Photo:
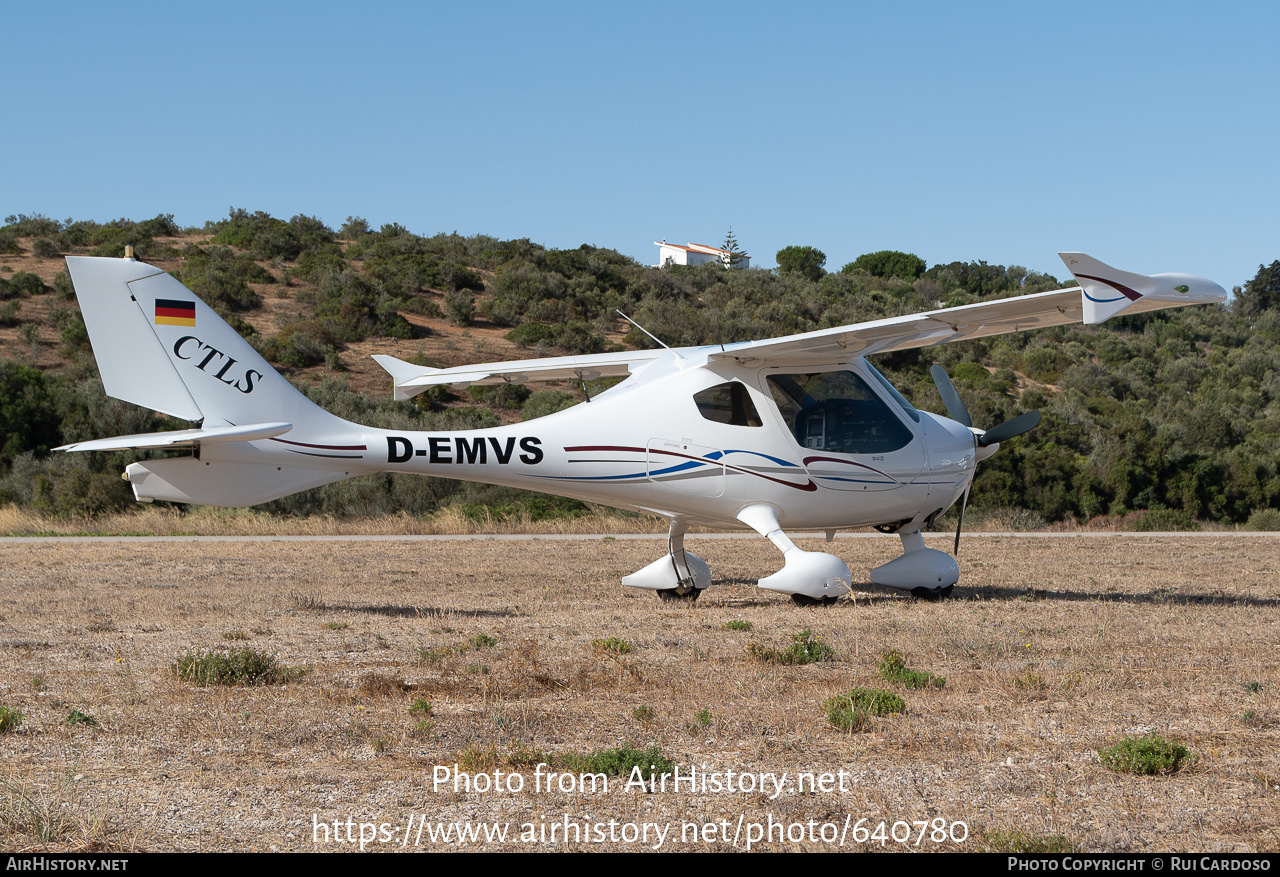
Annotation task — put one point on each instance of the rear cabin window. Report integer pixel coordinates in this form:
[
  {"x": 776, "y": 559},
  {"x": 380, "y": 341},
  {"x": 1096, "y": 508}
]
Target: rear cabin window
[
  {"x": 728, "y": 403},
  {"x": 837, "y": 411}
]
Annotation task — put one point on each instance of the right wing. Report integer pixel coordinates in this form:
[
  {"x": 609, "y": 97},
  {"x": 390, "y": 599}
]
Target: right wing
[{"x": 1103, "y": 293}]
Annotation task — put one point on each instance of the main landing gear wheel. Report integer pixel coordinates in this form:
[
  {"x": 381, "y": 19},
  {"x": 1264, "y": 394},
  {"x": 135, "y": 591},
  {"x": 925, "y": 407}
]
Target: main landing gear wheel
[
  {"x": 673, "y": 595},
  {"x": 932, "y": 594},
  {"x": 806, "y": 600}
]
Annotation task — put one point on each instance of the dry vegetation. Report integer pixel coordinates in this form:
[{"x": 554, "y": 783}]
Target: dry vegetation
[{"x": 427, "y": 653}]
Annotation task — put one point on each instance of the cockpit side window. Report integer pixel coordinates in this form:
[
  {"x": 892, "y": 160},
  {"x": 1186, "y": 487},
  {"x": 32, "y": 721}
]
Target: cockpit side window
[
  {"x": 837, "y": 411},
  {"x": 728, "y": 403}
]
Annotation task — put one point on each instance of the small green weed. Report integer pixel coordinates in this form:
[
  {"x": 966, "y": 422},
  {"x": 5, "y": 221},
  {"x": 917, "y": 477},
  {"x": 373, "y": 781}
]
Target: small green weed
[
  {"x": 236, "y": 635},
  {"x": 1017, "y": 841},
  {"x": 522, "y": 756},
  {"x": 642, "y": 713},
  {"x": 420, "y": 707},
  {"x": 1253, "y": 687},
  {"x": 10, "y": 719},
  {"x": 245, "y": 667},
  {"x": 893, "y": 668},
  {"x": 338, "y": 625},
  {"x": 476, "y": 757},
  {"x": 702, "y": 717},
  {"x": 434, "y": 654},
  {"x": 37, "y": 682},
  {"x": 853, "y": 710},
  {"x": 422, "y": 730},
  {"x": 805, "y": 648},
  {"x": 1029, "y": 680},
  {"x": 738, "y": 624},
  {"x": 612, "y": 645},
  {"x": 75, "y": 717},
  {"x": 483, "y": 641},
  {"x": 1147, "y": 755}
]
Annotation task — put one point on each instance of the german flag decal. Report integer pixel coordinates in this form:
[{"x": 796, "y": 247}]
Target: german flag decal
[{"x": 175, "y": 313}]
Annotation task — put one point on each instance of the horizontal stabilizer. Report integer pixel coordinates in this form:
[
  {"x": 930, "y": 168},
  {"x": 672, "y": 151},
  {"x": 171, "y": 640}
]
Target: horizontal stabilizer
[{"x": 182, "y": 438}]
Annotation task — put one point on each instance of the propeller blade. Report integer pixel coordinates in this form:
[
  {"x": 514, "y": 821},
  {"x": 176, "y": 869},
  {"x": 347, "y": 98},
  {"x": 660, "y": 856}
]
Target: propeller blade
[
  {"x": 950, "y": 398},
  {"x": 1010, "y": 428},
  {"x": 955, "y": 552}
]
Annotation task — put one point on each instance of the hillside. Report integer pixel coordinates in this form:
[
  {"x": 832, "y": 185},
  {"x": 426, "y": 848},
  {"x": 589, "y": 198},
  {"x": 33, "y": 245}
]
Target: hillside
[{"x": 1167, "y": 417}]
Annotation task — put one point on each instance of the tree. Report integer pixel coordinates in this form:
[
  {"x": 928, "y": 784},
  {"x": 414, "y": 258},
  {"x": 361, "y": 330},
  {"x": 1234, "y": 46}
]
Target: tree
[
  {"x": 887, "y": 263},
  {"x": 802, "y": 260},
  {"x": 736, "y": 258},
  {"x": 1262, "y": 293}
]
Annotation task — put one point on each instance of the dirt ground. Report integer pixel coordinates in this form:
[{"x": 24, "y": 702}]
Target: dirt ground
[{"x": 1052, "y": 648}]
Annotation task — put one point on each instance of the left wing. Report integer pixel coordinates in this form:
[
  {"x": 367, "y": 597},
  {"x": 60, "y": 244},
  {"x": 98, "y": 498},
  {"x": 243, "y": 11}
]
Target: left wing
[
  {"x": 410, "y": 379},
  {"x": 182, "y": 438}
]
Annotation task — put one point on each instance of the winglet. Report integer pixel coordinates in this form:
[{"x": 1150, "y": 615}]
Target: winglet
[
  {"x": 401, "y": 372},
  {"x": 1107, "y": 291}
]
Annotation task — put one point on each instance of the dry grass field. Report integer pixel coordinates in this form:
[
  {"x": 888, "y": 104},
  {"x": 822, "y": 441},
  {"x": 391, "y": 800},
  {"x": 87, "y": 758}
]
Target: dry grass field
[{"x": 1051, "y": 648}]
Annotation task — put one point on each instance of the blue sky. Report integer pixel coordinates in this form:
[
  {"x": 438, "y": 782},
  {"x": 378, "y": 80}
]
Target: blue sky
[{"x": 1142, "y": 133}]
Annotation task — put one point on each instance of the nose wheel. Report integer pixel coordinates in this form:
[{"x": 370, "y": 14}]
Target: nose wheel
[
  {"x": 933, "y": 595},
  {"x": 806, "y": 600},
  {"x": 674, "y": 595}
]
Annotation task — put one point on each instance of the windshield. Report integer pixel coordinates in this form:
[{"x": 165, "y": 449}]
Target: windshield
[{"x": 837, "y": 411}]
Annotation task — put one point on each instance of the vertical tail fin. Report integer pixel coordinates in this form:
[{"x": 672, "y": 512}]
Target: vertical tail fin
[{"x": 158, "y": 345}]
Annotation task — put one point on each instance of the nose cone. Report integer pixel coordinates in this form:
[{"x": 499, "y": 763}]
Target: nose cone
[{"x": 949, "y": 443}]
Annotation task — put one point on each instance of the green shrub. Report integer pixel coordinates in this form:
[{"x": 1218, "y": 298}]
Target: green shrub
[
  {"x": 642, "y": 713},
  {"x": 25, "y": 283},
  {"x": 1264, "y": 519},
  {"x": 1147, "y": 755},
  {"x": 45, "y": 248},
  {"x": 893, "y": 668},
  {"x": 1164, "y": 520},
  {"x": 853, "y": 710},
  {"x": 531, "y": 334},
  {"x": 805, "y": 648},
  {"x": 612, "y": 645},
  {"x": 10, "y": 719},
  {"x": 245, "y": 667},
  {"x": 621, "y": 762},
  {"x": 421, "y": 707},
  {"x": 76, "y": 717},
  {"x": 483, "y": 641},
  {"x": 545, "y": 402}
]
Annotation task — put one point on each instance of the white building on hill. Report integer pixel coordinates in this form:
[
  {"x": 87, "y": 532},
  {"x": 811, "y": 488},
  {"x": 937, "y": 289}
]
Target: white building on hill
[{"x": 694, "y": 254}]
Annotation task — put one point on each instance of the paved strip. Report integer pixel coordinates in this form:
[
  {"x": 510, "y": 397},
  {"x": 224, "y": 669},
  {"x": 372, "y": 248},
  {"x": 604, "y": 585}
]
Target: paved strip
[{"x": 651, "y": 537}]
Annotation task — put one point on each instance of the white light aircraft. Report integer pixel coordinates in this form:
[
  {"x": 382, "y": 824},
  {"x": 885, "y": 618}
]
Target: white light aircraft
[{"x": 798, "y": 432}]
